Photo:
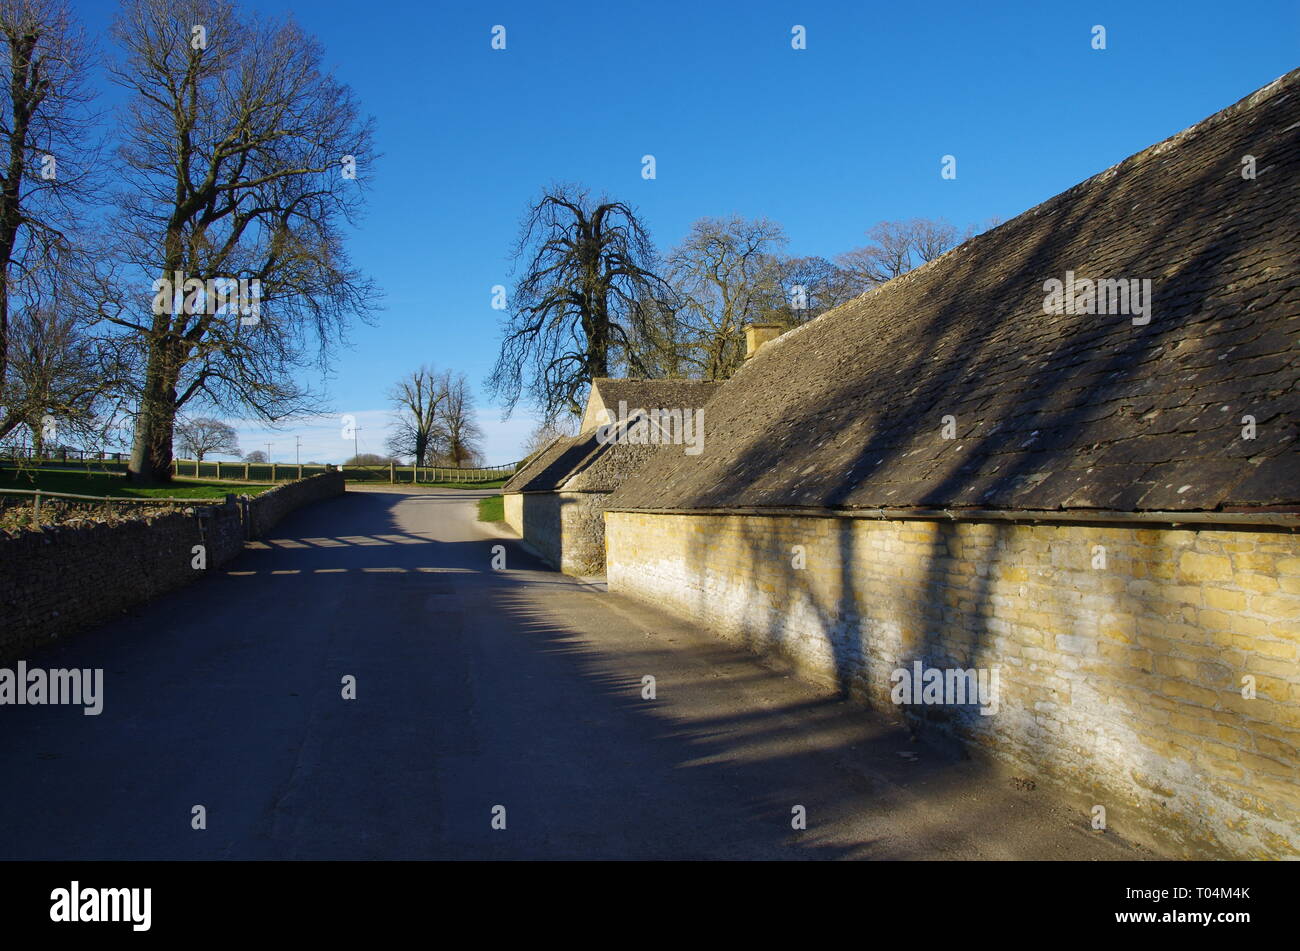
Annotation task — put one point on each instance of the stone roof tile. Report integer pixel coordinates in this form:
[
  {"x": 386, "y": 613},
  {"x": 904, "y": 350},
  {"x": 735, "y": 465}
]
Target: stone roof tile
[{"x": 1050, "y": 411}]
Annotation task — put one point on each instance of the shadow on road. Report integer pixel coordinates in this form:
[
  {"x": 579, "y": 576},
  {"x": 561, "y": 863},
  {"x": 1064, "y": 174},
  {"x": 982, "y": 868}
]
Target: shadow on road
[{"x": 474, "y": 688}]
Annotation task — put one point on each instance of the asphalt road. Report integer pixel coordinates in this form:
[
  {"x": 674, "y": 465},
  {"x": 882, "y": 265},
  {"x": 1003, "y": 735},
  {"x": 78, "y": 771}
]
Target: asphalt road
[{"x": 475, "y": 688}]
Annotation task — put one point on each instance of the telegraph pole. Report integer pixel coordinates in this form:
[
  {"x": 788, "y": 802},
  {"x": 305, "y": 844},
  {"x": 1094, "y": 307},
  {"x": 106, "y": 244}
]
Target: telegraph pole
[
  {"x": 297, "y": 450},
  {"x": 268, "y": 452}
]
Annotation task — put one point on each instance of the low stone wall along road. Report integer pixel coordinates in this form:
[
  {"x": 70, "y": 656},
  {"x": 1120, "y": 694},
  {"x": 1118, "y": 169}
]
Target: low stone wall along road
[{"x": 475, "y": 688}]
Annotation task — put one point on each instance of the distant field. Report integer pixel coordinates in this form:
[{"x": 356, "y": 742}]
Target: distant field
[
  {"x": 492, "y": 509},
  {"x": 103, "y": 483}
]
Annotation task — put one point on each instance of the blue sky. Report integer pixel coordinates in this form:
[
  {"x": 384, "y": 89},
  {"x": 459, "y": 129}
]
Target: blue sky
[{"x": 827, "y": 140}]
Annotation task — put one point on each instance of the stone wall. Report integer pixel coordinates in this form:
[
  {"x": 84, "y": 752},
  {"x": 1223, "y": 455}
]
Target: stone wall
[
  {"x": 265, "y": 510},
  {"x": 567, "y": 529},
  {"x": 61, "y": 579},
  {"x": 1121, "y": 652}
]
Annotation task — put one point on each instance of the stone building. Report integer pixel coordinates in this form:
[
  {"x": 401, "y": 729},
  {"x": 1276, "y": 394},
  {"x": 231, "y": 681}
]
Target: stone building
[
  {"x": 1063, "y": 453},
  {"x": 556, "y": 502}
]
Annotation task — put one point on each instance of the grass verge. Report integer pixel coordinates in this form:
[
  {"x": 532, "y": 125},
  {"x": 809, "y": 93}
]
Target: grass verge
[
  {"x": 492, "y": 509},
  {"x": 109, "y": 484}
]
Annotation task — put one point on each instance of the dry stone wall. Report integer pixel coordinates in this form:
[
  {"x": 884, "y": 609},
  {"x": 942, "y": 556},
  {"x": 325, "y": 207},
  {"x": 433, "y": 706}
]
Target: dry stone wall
[{"x": 62, "y": 579}]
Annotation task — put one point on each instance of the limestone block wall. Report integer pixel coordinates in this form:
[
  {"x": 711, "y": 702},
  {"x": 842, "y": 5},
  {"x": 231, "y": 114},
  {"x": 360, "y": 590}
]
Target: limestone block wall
[
  {"x": 514, "y": 512},
  {"x": 1121, "y": 652},
  {"x": 565, "y": 528}
]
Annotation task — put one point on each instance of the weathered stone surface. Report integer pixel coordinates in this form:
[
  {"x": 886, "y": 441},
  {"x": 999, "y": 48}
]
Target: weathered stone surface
[
  {"x": 1048, "y": 411},
  {"x": 607, "y": 392},
  {"x": 1121, "y": 676}
]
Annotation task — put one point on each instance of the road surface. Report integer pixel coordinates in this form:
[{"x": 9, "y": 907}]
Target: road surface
[{"x": 475, "y": 689}]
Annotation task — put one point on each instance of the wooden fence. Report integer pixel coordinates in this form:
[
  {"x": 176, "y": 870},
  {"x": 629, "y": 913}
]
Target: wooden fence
[
  {"x": 102, "y": 461},
  {"x": 393, "y": 474}
]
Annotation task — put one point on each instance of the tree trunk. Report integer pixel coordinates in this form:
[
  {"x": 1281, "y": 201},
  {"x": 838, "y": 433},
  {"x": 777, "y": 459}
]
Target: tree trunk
[{"x": 151, "y": 453}]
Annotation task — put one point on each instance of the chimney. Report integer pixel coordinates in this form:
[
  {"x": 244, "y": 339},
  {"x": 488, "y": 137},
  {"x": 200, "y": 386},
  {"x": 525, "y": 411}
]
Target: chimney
[{"x": 758, "y": 334}]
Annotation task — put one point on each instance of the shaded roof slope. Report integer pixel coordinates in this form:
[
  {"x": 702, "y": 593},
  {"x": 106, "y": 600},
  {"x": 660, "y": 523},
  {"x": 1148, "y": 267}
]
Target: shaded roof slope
[
  {"x": 1050, "y": 411},
  {"x": 601, "y": 467},
  {"x": 550, "y": 466},
  {"x": 584, "y": 463},
  {"x": 648, "y": 394}
]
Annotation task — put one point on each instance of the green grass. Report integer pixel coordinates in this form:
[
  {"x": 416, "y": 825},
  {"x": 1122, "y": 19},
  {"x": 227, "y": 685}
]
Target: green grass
[
  {"x": 492, "y": 509},
  {"x": 108, "y": 484}
]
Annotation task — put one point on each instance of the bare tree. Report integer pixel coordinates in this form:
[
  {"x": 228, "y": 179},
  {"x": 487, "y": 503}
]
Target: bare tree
[
  {"x": 416, "y": 400},
  {"x": 727, "y": 273},
  {"x": 812, "y": 286},
  {"x": 257, "y": 456},
  {"x": 590, "y": 266},
  {"x": 46, "y": 157},
  {"x": 661, "y": 341},
  {"x": 60, "y": 378},
  {"x": 897, "y": 247},
  {"x": 457, "y": 435},
  {"x": 244, "y": 158},
  {"x": 64, "y": 384},
  {"x": 546, "y": 432},
  {"x": 202, "y": 436}
]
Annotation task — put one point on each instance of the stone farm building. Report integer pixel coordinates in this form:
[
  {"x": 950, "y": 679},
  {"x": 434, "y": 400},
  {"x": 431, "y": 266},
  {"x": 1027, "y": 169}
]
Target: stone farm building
[
  {"x": 556, "y": 502},
  {"x": 985, "y": 465}
]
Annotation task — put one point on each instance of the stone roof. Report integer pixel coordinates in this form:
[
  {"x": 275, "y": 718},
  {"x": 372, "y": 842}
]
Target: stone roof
[
  {"x": 546, "y": 470},
  {"x": 583, "y": 463},
  {"x": 607, "y": 392},
  {"x": 1049, "y": 411}
]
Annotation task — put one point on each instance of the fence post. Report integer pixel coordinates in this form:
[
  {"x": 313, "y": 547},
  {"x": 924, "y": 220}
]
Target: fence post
[
  {"x": 273, "y": 465},
  {"x": 218, "y": 470},
  {"x": 246, "y": 472},
  {"x": 36, "y": 511}
]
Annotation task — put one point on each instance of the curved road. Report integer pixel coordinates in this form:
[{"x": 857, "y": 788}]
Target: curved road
[{"x": 475, "y": 688}]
